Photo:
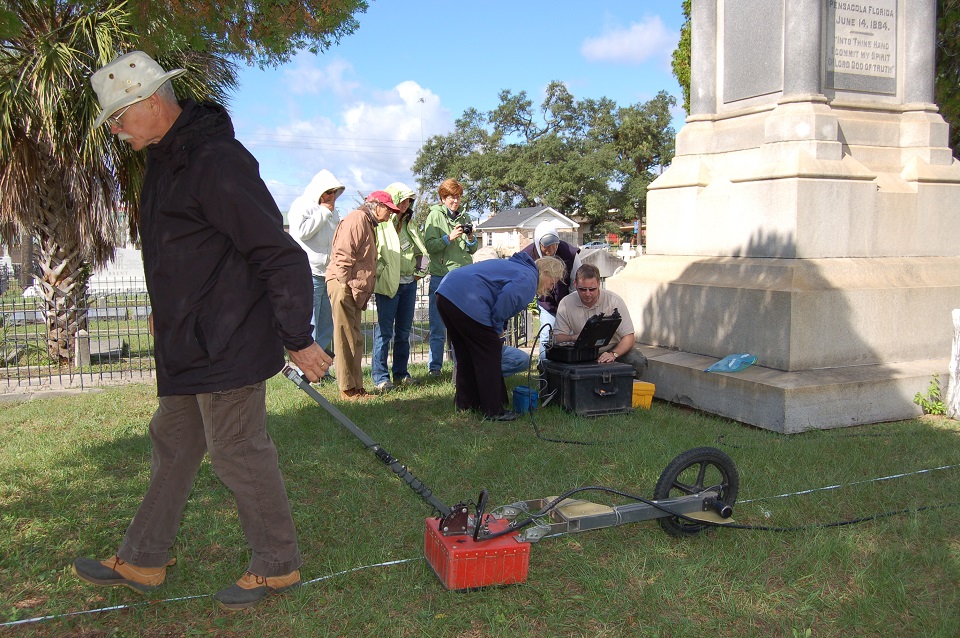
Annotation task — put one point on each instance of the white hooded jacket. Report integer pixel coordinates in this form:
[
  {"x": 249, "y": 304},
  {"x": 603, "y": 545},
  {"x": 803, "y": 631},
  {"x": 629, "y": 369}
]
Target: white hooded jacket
[
  {"x": 313, "y": 225},
  {"x": 543, "y": 229}
]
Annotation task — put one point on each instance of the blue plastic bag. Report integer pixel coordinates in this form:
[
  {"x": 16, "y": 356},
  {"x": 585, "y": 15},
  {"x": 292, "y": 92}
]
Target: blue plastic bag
[{"x": 733, "y": 363}]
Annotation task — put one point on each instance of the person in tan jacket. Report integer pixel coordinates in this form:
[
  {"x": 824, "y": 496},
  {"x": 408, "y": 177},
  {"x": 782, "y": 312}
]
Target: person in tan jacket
[{"x": 351, "y": 278}]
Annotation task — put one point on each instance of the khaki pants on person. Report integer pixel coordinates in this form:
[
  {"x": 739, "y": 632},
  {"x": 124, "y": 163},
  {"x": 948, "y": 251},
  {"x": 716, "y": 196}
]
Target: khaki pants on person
[
  {"x": 635, "y": 358},
  {"x": 347, "y": 338},
  {"x": 231, "y": 427}
]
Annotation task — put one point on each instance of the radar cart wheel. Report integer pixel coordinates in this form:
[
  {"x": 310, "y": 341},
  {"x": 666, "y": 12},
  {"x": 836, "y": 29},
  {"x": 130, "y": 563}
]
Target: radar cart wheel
[{"x": 692, "y": 472}]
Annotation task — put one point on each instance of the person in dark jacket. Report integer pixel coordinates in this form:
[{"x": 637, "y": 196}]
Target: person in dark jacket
[
  {"x": 229, "y": 290},
  {"x": 476, "y": 302},
  {"x": 547, "y": 243}
]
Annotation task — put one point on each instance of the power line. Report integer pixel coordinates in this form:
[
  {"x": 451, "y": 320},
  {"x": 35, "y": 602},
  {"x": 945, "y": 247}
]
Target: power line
[
  {"x": 326, "y": 142},
  {"x": 345, "y": 149},
  {"x": 298, "y": 136},
  {"x": 353, "y": 145}
]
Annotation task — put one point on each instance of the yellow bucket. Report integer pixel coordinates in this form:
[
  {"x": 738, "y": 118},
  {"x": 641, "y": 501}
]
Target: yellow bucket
[{"x": 643, "y": 394}]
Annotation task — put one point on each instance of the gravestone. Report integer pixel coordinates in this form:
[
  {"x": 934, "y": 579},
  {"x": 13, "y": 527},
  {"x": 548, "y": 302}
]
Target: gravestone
[
  {"x": 809, "y": 217},
  {"x": 605, "y": 261},
  {"x": 124, "y": 273},
  {"x": 88, "y": 351}
]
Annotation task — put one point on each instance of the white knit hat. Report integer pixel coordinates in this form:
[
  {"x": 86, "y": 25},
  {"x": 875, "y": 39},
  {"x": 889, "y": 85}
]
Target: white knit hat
[{"x": 131, "y": 78}]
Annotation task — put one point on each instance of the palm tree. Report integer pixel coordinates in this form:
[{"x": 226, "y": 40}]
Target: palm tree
[{"x": 67, "y": 185}]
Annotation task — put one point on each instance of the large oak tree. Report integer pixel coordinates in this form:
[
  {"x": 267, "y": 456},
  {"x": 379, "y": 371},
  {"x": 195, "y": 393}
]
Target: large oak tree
[{"x": 587, "y": 157}]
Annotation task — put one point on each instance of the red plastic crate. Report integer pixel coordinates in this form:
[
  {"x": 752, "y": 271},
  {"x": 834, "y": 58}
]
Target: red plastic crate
[{"x": 462, "y": 563}]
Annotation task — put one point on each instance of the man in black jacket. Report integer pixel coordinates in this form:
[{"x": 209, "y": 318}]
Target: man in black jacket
[{"x": 229, "y": 290}]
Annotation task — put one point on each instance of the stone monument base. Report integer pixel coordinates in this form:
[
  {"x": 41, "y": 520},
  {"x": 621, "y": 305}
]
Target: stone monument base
[
  {"x": 810, "y": 217},
  {"x": 839, "y": 341},
  {"x": 792, "y": 402}
]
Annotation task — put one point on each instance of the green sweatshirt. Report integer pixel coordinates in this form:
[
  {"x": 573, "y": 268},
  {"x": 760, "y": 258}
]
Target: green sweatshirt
[{"x": 444, "y": 254}]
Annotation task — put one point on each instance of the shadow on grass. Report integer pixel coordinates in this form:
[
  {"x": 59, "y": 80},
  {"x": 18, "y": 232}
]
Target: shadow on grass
[{"x": 72, "y": 491}]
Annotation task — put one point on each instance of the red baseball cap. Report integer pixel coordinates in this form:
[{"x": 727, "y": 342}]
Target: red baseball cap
[{"x": 383, "y": 197}]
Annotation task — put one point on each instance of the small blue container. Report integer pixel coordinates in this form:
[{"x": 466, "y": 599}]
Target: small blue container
[{"x": 524, "y": 399}]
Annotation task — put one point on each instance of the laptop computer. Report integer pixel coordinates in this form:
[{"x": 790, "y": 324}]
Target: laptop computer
[{"x": 596, "y": 333}]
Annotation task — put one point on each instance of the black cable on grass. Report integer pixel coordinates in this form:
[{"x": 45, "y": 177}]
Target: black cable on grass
[
  {"x": 513, "y": 527},
  {"x": 536, "y": 430},
  {"x": 541, "y": 386}
]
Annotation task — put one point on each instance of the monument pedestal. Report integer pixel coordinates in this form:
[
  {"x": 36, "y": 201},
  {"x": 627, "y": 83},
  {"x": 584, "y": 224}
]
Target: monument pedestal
[
  {"x": 810, "y": 217},
  {"x": 839, "y": 341},
  {"x": 792, "y": 402}
]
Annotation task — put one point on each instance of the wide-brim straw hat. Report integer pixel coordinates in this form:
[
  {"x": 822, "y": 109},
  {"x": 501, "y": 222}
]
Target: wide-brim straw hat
[{"x": 129, "y": 79}]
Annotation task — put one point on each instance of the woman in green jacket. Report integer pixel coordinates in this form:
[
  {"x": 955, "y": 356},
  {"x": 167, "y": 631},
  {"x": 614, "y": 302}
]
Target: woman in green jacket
[
  {"x": 448, "y": 236},
  {"x": 400, "y": 265}
]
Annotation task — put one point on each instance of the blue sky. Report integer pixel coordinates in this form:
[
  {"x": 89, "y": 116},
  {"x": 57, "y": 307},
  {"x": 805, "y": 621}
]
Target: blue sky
[{"x": 356, "y": 110}]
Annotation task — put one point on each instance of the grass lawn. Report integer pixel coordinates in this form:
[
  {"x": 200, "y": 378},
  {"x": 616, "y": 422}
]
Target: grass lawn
[{"x": 73, "y": 470}]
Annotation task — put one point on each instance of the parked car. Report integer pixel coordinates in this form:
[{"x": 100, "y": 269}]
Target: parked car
[{"x": 596, "y": 244}]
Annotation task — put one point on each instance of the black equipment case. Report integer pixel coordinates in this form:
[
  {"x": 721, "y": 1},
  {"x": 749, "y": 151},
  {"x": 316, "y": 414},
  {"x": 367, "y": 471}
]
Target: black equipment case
[{"x": 589, "y": 389}]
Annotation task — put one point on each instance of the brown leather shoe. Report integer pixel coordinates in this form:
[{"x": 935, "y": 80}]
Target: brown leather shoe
[
  {"x": 115, "y": 571},
  {"x": 251, "y": 589}
]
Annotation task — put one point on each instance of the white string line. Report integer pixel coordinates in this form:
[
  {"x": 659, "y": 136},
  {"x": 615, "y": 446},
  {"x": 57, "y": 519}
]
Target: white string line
[
  {"x": 174, "y": 600},
  {"x": 407, "y": 560},
  {"x": 94, "y": 611},
  {"x": 838, "y": 486},
  {"x": 356, "y": 569}
]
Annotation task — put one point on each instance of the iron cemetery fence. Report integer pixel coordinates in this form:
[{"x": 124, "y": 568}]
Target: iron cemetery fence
[{"x": 114, "y": 344}]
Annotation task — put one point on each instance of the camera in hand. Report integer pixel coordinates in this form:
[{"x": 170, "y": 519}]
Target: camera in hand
[{"x": 467, "y": 228}]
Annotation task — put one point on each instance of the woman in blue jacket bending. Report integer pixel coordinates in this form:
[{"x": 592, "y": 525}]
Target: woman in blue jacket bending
[{"x": 476, "y": 302}]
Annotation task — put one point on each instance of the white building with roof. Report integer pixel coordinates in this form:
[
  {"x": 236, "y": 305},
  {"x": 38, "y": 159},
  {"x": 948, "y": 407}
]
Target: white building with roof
[{"x": 507, "y": 231}]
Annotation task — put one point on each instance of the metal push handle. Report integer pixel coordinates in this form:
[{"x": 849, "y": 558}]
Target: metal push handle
[{"x": 400, "y": 470}]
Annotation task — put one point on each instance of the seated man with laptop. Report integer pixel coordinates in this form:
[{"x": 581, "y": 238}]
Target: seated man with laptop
[{"x": 574, "y": 314}]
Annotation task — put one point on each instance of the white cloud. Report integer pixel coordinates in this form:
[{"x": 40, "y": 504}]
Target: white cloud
[
  {"x": 633, "y": 44},
  {"x": 386, "y": 133},
  {"x": 306, "y": 77},
  {"x": 372, "y": 143}
]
